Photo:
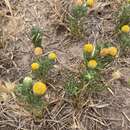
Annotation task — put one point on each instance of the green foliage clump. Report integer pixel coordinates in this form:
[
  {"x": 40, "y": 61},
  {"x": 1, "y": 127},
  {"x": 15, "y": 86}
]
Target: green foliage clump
[
  {"x": 124, "y": 39},
  {"x": 45, "y": 65},
  {"x": 72, "y": 86},
  {"x": 36, "y": 35},
  {"x": 89, "y": 75},
  {"x": 93, "y": 79},
  {"x": 123, "y": 19},
  {"x": 75, "y": 27},
  {"x": 124, "y": 16},
  {"x": 79, "y": 11},
  {"x": 31, "y": 102},
  {"x": 25, "y": 94},
  {"x": 75, "y": 20}
]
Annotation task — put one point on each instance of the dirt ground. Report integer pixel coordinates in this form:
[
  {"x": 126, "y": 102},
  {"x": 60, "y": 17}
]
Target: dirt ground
[{"x": 102, "y": 111}]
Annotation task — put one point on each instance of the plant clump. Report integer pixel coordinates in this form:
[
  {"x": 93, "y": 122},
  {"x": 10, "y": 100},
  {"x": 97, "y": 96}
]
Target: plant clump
[
  {"x": 76, "y": 17},
  {"x": 91, "y": 76},
  {"x": 31, "y": 89},
  {"x": 123, "y": 26},
  {"x": 36, "y": 36}
]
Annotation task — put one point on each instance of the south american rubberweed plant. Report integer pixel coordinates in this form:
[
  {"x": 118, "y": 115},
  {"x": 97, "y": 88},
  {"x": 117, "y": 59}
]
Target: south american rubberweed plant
[
  {"x": 36, "y": 36},
  {"x": 75, "y": 20}
]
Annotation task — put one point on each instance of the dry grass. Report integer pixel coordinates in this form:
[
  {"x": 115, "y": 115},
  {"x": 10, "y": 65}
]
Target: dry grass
[{"x": 108, "y": 110}]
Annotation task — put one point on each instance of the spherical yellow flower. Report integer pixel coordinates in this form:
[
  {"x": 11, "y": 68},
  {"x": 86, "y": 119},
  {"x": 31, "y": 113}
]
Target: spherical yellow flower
[
  {"x": 104, "y": 52},
  {"x": 88, "y": 48},
  {"x": 38, "y": 51},
  {"x": 39, "y": 88},
  {"x": 113, "y": 51},
  {"x": 35, "y": 66},
  {"x": 92, "y": 64},
  {"x": 52, "y": 56},
  {"x": 125, "y": 28},
  {"x": 90, "y": 3}
]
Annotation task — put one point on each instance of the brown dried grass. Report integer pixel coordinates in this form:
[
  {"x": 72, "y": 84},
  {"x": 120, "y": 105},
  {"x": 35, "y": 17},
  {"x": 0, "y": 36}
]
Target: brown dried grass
[{"x": 90, "y": 111}]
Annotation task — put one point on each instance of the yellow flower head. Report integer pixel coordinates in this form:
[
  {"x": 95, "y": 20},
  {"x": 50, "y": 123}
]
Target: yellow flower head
[
  {"x": 39, "y": 88},
  {"x": 35, "y": 66},
  {"x": 90, "y": 3},
  {"x": 88, "y": 48},
  {"x": 38, "y": 51},
  {"x": 104, "y": 52},
  {"x": 125, "y": 28},
  {"x": 52, "y": 56},
  {"x": 113, "y": 51},
  {"x": 92, "y": 64}
]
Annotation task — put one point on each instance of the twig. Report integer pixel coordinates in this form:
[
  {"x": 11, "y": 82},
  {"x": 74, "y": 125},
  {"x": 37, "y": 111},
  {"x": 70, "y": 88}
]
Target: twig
[{"x": 126, "y": 116}]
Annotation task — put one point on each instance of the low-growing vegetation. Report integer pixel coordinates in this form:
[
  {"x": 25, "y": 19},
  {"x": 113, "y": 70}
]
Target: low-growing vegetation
[{"x": 70, "y": 82}]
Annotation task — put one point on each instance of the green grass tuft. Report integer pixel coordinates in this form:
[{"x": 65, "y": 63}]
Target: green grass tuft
[{"x": 36, "y": 36}]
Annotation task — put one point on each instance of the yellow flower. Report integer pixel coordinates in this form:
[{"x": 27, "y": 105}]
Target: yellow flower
[
  {"x": 52, "y": 56},
  {"x": 38, "y": 51},
  {"x": 35, "y": 66},
  {"x": 90, "y": 3},
  {"x": 125, "y": 28},
  {"x": 104, "y": 52},
  {"x": 88, "y": 48},
  {"x": 113, "y": 51},
  {"x": 39, "y": 88},
  {"x": 92, "y": 64}
]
